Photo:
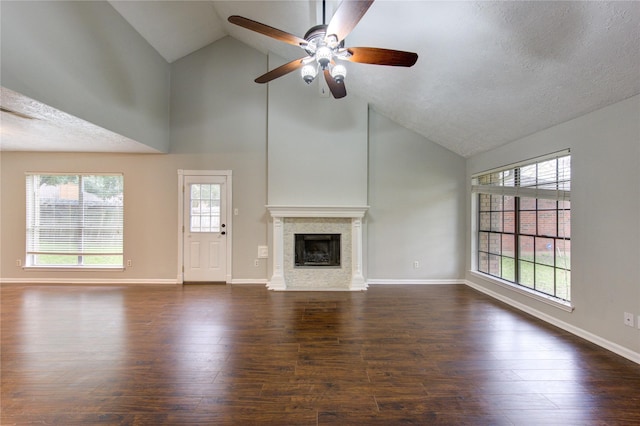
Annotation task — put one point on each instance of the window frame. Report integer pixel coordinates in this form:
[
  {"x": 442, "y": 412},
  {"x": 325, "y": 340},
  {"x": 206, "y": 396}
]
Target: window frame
[
  {"x": 483, "y": 229},
  {"x": 32, "y": 221}
]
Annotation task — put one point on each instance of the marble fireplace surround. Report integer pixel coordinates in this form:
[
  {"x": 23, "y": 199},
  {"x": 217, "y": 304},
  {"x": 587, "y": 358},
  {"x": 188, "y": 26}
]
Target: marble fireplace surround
[{"x": 344, "y": 220}]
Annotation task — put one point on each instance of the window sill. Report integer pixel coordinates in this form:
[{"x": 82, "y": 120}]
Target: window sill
[
  {"x": 74, "y": 268},
  {"x": 549, "y": 300}
]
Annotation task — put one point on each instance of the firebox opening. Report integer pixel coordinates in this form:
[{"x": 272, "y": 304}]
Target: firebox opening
[{"x": 317, "y": 250}]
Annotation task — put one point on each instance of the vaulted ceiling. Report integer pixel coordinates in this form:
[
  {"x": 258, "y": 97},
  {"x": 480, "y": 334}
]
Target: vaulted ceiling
[{"x": 488, "y": 72}]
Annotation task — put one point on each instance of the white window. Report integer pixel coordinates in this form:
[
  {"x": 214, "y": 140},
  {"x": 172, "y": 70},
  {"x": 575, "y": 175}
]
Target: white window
[
  {"x": 524, "y": 224},
  {"x": 205, "y": 207},
  {"x": 75, "y": 220}
]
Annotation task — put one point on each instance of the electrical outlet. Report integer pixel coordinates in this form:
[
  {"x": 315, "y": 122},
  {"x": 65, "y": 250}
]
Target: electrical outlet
[
  {"x": 256, "y": 263},
  {"x": 416, "y": 264},
  {"x": 129, "y": 263},
  {"x": 18, "y": 262},
  {"x": 236, "y": 212},
  {"x": 628, "y": 319}
]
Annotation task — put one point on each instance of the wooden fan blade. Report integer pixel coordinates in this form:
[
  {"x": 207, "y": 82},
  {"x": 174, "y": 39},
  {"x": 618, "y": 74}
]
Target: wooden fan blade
[
  {"x": 281, "y": 70},
  {"x": 338, "y": 90},
  {"x": 267, "y": 30},
  {"x": 347, "y": 17},
  {"x": 378, "y": 56}
]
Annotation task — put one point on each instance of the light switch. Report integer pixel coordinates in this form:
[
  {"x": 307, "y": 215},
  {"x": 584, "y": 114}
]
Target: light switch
[{"x": 263, "y": 252}]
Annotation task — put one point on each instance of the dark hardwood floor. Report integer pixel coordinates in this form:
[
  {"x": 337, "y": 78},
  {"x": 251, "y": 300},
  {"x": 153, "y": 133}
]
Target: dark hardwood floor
[{"x": 216, "y": 354}]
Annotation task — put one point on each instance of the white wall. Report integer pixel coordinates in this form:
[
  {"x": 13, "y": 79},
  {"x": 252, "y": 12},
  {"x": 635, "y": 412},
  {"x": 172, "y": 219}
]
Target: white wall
[
  {"x": 83, "y": 58},
  {"x": 605, "y": 204},
  {"x": 317, "y": 146},
  {"x": 219, "y": 121},
  {"x": 417, "y": 198}
]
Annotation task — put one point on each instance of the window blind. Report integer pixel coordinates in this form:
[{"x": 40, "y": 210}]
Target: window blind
[
  {"x": 547, "y": 177},
  {"x": 74, "y": 215}
]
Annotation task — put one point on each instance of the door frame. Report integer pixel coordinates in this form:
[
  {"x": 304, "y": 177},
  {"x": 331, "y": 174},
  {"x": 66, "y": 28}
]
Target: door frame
[{"x": 229, "y": 209}]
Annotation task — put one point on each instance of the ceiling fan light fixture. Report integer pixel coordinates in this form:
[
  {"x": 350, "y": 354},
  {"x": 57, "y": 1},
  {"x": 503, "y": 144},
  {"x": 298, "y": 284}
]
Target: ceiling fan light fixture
[
  {"x": 323, "y": 56},
  {"x": 309, "y": 72},
  {"x": 339, "y": 72}
]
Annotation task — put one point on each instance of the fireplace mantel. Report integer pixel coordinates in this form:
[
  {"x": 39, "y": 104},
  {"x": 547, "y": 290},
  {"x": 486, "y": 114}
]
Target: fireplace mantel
[
  {"x": 296, "y": 216},
  {"x": 318, "y": 211}
]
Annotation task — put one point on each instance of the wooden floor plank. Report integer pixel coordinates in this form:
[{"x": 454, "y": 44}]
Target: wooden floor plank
[{"x": 216, "y": 354}]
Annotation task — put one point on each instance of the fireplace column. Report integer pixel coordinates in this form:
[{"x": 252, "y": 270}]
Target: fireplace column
[
  {"x": 357, "y": 277},
  {"x": 277, "y": 279}
]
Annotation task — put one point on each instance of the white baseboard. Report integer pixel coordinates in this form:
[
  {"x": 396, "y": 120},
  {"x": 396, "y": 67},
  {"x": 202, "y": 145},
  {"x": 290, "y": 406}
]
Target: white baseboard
[
  {"x": 107, "y": 281},
  {"x": 300, "y": 289},
  {"x": 249, "y": 281},
  {"x": 374, "y": 281},
  {"x": 89, "y": 281},
  {"x": 239, "y": 281},
  {"x": 613, "y": 347}
]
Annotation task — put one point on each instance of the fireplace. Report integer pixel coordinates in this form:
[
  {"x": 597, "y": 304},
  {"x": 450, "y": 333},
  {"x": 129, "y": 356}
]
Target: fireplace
[
  {"x": 332, "y": 233},
  {"x": 317, "y": 250}
]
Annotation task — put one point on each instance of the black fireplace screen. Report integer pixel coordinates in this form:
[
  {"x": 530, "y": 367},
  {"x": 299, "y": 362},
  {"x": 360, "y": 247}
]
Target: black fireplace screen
[{"x": 317, "y": 249}]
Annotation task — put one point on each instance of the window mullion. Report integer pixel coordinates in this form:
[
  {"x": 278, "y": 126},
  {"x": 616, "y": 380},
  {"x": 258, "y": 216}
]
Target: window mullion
[
  {"x": 516, "y": 207},
  {"x": 516, "y": 252},
  {"x": 81, "y": 218},
  {"x": 478, "y": 252}
]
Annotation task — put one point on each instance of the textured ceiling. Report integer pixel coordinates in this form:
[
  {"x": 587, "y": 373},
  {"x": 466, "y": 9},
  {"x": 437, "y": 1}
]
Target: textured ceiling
[
  {"x": 488, "y": 72},
  {"x": 29, "y": 125}
]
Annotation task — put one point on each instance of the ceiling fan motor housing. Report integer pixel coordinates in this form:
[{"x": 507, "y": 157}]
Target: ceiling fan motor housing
[{"x": 316, "y": 37}]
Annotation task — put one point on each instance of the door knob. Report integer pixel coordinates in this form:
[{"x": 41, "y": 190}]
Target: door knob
[{"x": 222, "y": 233}]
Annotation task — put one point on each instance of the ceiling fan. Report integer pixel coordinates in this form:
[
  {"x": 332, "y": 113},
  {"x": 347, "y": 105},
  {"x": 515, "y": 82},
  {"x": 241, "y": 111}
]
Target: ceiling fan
[{"x": 324, "y": 45}]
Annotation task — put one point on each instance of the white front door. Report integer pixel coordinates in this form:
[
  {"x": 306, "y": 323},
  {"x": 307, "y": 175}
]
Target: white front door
[{"x": 205, "y": 228}]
